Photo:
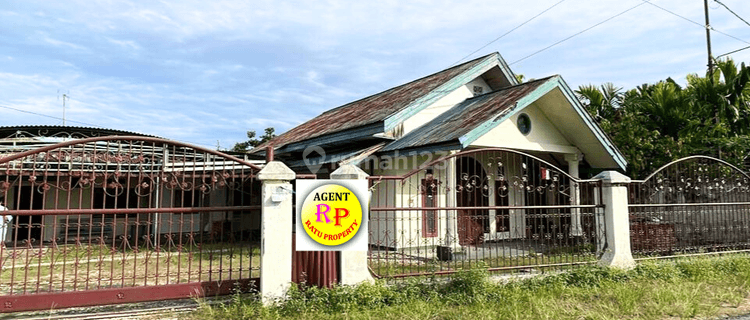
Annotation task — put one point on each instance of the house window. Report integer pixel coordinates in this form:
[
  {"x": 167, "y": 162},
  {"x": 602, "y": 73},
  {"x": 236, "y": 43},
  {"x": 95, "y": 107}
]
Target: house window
[
  {"x": 524, "y": 123},
  {"x": 478, "y": 90},
  {"x": 429, "y": 200}
]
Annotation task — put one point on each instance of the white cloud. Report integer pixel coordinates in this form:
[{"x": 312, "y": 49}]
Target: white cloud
[{"x": 200, "y": 71}]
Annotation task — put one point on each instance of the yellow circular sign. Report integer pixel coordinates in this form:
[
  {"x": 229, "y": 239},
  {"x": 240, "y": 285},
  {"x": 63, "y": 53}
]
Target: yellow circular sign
[{"x": 331, "y": 214}]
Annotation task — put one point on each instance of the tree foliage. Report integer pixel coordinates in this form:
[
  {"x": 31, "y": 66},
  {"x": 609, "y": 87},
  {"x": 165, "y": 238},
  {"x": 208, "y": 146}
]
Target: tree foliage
[
  {"x": 654, "y": 124},
  {"x": 253, "y": 141}
]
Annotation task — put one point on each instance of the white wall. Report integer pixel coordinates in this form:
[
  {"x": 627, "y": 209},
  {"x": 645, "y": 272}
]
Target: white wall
[
  {"x": 444, "y": 104},
  {"x": 544, "y": 135},
  {"x": 403, "y": 229}
]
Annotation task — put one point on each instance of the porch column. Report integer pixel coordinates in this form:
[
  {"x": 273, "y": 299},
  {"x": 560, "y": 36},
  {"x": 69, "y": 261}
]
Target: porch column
[
  {"x": 450, "y": 215},
  {"x": 616, "y": 221},
  {"x": 574, "y": 160},
  {"x": 276, "y": 231},
  {"x": 353, "y": 264}
]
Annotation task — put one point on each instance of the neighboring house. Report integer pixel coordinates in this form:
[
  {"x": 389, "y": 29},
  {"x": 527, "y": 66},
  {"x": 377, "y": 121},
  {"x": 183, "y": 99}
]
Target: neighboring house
[
  {"x": 478, "y": 104},
  {"x": 130, "y": 174}
]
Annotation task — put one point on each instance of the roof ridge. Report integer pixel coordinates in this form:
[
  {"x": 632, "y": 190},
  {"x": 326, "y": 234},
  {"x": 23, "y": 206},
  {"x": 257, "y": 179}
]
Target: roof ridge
[
  {"x": 378, "y": 99},
  {"x": 410, "y": 82},
  {"x": 513, "y": 87}
]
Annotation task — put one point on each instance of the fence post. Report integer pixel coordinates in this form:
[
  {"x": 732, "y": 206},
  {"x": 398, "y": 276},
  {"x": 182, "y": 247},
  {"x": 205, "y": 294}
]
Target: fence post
[
  {"x": 616, "y": 221},
  {"x": 353, "y": 263},
  {"x": 276, "y": 231}
]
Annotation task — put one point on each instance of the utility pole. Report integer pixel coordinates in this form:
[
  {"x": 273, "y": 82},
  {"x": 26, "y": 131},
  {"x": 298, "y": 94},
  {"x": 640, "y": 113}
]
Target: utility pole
[
  {"x": 64, "y": 97},
  {"x": 708, "y": 44}
]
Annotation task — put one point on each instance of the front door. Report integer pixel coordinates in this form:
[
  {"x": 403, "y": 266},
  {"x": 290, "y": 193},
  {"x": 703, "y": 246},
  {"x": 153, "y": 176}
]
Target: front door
[
  {"x": 471, "y": 193},
  {"x": 508, "y": 192}
]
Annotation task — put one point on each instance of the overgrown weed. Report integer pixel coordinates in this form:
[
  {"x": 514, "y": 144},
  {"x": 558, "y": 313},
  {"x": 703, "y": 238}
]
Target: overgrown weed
[{"x": 687, "y": 287}]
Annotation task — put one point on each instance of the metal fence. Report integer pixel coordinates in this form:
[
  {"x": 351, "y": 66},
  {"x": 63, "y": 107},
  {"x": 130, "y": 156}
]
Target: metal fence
[
  {"x": 123, "y": 219},
  {"x": 694, "y": 205},
  {"x": 493, "y": 208}
]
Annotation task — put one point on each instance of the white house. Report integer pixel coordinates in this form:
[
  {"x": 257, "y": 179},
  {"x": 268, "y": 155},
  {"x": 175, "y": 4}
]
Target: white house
[{"x": 475, "y": 105}]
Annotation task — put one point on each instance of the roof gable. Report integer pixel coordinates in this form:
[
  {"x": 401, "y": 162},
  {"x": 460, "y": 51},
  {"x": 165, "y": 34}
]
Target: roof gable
[
  {"x": 472, "y": 119},
  {"x": 466, "y": 117},
  {"x": 388, "y": 108}
]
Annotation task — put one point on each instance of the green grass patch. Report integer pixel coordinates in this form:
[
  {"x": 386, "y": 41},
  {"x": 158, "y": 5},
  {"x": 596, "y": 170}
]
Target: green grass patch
[{"x": 681, "y": 288}]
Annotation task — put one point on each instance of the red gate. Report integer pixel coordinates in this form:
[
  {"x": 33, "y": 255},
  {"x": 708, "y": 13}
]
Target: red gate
[
  {"x": 125, "y": 219},
  {"x": 495, "y": 208}
]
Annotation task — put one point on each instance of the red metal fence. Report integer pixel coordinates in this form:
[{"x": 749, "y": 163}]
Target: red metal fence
[
  {"x": 694, "y": 205},
  {"x": 494, "y": 208},
  {"x": 124, "y": 219}
]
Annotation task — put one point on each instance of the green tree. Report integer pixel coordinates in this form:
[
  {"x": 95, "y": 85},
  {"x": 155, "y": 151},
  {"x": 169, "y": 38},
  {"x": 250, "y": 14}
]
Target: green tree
[
  {"x": 253, "y": 141},
  {"x": 654, "y": 124},
  {"x": 602, "y": 102}
]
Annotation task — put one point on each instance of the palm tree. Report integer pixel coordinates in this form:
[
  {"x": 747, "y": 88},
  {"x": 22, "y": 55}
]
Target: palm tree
[
  {"x": 602, "y": 102},
  {"x": 723, "y": 97}
]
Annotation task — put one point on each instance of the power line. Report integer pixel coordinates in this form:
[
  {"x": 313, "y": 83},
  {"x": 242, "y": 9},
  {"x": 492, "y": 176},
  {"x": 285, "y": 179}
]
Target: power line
[
  {"x": 617, "y": 15},
  {"x": 48, "y": 116},
  {"x": 730, "y": 10},
  {"x": 694, "y": 22},
  {"x": 507, "y": 33},
  {"x": 90, "y": 124},
  {"x": 576, "y": 34}
]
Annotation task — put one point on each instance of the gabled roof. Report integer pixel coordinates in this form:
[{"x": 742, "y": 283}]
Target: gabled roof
[
  {"x": 380, "y": 112},
  {"x": 466, "y": 122},
  {"x": 460, "y": 120}
]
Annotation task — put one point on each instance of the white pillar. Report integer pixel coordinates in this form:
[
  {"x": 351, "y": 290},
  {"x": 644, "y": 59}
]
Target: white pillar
[
  {"x": 276, "y": 231},
  {"x": 617, "y": 224},
  {"x": 451, "y": 233},
  {"x": 353, "y": 264},
  {"x": 574, "y": 160}
]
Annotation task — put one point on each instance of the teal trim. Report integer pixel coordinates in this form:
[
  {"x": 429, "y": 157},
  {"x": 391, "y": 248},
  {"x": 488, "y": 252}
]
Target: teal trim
[
  {"x": 448, "y": 87},
  {"x": 509, "y": 74},
  {"x": 600, "y": 135},
  {"x": 528, "y": 99},
  {"x": 350, "y": 135},
  {"x": 554, "y": 82}
]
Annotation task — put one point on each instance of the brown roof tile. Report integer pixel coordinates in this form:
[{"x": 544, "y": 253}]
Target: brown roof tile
[{"x": 368, "y": 110}]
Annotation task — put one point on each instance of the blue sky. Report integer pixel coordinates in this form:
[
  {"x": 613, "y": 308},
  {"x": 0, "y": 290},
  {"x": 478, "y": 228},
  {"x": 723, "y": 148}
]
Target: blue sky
[{"x": 205, "y": 72}]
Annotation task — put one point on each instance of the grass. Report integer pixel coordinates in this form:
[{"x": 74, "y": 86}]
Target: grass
[
  {"x": 681, "y": 288},
  {"x": 88, "y": 267}
]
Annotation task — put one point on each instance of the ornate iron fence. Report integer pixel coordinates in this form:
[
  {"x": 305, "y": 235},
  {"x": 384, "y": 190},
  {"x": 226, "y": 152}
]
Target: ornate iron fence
[
  {"x": 123, "y": 219},
  {"x": 693, "y": 205},
  {"x": 494, "y": 208}
]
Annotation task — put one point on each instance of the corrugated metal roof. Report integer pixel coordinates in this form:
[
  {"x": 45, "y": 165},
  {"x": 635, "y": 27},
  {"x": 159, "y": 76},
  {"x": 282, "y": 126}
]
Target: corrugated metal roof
[
  {"x": 369, "y": 110},
  {"x": 462, "y": 118},
  {"x": 62, "y": 131}
]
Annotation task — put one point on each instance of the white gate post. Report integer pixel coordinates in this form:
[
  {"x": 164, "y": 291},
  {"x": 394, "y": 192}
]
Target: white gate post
[
  {"x": 353, "y": 264},
  {"x": 617, "y": 222},
  {"x": 276, "y": 231}
]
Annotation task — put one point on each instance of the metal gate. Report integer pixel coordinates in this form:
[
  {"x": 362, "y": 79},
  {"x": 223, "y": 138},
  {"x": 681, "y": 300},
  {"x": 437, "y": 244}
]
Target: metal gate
[
  {"x": 124, "y": 219},
  {"x": 694, "y": 205},
  {"x": 494, "y": 208}
]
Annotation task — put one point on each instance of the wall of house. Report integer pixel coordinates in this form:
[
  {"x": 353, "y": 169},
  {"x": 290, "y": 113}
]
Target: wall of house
[
  {"x": 544, "y": 135},
  {"x": 66, "y": 227},
  {"x": 457, "y": 96},
  {"x": 404, "y": 229}
]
